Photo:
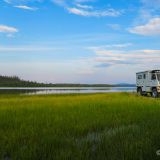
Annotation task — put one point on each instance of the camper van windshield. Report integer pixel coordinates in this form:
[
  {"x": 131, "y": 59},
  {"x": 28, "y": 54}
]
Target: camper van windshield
[{"x": 158, "y": 76}]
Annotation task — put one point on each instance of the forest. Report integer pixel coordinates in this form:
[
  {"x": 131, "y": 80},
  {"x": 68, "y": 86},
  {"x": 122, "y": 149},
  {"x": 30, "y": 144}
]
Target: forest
[{"x": 15, "y": 81}]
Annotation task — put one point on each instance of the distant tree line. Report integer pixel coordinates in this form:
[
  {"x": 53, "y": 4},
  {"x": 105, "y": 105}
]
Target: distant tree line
[{"x": 14, "y": 81}]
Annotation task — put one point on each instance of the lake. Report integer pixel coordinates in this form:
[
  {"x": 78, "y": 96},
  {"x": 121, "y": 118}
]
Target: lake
[{"x": 64, "y": 90}]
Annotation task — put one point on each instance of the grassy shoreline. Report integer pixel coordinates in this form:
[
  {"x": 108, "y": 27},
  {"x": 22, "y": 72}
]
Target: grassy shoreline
[{"x": 110, "y": 126}]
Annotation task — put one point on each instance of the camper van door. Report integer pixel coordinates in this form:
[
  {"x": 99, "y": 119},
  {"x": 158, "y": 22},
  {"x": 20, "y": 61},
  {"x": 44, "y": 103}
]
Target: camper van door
[{"x": 145, "y": 80}]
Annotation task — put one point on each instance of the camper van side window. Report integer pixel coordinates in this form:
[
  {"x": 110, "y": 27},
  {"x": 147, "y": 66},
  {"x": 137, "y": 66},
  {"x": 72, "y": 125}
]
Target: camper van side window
[
  {"x": 139, "y": 76},
  {"x": 144, "y": 76},
  {"x": 153, "y": 77}
]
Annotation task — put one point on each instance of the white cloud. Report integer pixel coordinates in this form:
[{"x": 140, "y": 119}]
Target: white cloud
[
  {"x": 7, "y": 1},
  {"x": 21, "y": 1},
  {"x": 78, "y": 7},
  {"x": 8, "y": 29},
  {"x": 94, "y": 13},
  {"x": 106, "y": 58},
  {"x": 84, "y": 6},
  {"x": 103, "y": 47},
  {"x": 12, "y": 49},
  {"x": 151, "y": 28},
  {"x": 148, "y": 9},
  {"x": 25, "y": 7}
]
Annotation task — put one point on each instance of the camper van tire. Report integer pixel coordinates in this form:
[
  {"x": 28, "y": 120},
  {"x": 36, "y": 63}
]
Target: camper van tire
[
  {"x": 139, "y": 91},
  {"x": 155, "y": 93}
]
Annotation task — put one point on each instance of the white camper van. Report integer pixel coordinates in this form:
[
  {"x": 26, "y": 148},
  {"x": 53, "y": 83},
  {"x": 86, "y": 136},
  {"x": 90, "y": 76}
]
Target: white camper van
[{"x": 148, "y": 82}]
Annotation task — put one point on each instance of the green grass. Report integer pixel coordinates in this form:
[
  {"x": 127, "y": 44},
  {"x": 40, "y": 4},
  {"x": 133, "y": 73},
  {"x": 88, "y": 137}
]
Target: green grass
[{"x": 113, "y": 126}]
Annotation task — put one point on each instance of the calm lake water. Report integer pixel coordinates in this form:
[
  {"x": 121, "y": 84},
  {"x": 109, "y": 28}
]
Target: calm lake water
[{"x": 65, "y": 90}]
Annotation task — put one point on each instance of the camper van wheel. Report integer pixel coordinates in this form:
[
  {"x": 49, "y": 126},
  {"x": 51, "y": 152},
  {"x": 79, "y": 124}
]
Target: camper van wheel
[
  {"x": 154, "y": 93},
  {"x": 139, "y": 91}
]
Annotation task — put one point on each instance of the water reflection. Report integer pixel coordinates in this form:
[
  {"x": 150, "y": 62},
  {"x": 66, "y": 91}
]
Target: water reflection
[{"x": 65, "y": 90}]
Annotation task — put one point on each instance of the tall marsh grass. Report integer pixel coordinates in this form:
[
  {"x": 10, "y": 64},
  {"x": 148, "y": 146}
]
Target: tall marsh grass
[{"x": 112, "y": 126}]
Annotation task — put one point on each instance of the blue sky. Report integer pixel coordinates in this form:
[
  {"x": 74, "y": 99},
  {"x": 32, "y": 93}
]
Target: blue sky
[{"x": 79, "y": 41}]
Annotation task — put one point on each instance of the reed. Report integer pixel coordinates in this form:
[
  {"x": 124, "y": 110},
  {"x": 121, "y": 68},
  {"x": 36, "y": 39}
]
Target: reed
[{"x": 112, "y": 126}]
